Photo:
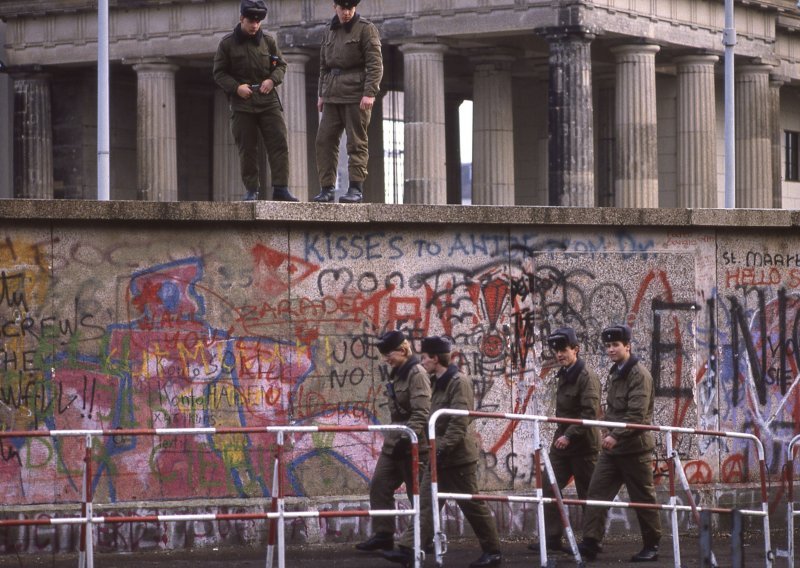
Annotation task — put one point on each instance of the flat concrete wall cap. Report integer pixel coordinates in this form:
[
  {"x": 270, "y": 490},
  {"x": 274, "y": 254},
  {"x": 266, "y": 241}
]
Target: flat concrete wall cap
[{"x": 202, "y": 211}]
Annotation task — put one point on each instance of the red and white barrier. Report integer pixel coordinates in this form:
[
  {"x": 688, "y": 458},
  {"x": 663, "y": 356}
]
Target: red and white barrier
[
  {"x": 672, "y": 507},
  {"x": 791, "y": 512},
  {"x": 275, "y": 516}
]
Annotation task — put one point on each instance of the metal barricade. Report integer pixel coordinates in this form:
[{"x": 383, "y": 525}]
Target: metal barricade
[
  {"x": 276, "y": 516},
  {"x": 791, "y": 512},
  {"x": 675, "y": 469}
]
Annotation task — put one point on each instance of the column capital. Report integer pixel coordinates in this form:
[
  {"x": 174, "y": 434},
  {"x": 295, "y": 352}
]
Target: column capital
[
  {"x": 754, "y": 68},
  {"x": 696, "y": 59},
  {"x": 499, "y": 58},
  {"x": 146, "y": 64},
  {"x": 573, "y": 33},
  {"x": 776, "y": 80},
  {"x": 620, "y": 51},
  {"x": 298, "y": 54},
  {"x": 422, "y": 47}
]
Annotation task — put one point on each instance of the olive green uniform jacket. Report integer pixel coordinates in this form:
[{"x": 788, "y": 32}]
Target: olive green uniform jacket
[
  {"x": 455, "y": 440},
  {"x": 244, "y": 60},
  {"x": 577, "y": 396},
  {"x": 350, "y": 61},
  {"x": 409, "y": 394},
  {"x": 630, "y": 399}
]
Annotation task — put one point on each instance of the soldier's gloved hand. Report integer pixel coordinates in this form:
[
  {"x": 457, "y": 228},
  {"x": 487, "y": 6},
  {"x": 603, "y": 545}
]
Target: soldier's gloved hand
[{"x": 401, "y": 448}]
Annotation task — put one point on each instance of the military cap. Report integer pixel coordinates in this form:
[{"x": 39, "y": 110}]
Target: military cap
[
  {"x": 255, "y": 9},
  {"x": 347, "y": 3},
  {"x": 435, "y": 345},
  {"x": 562, "y": 338},
  {"x": 390, "y": 341},
  {"x": 617, "y": 333}
]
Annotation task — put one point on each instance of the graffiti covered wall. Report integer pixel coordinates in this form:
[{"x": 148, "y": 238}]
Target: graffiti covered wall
[{"x": 242, "y": 325}]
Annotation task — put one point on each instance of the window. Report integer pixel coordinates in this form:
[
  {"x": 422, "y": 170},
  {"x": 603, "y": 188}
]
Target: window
[{"x": 792, "y": 172}]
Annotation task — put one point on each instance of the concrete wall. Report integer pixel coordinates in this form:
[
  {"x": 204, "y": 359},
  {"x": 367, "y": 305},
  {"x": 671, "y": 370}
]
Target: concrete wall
[{"x": 142, "y": 315}]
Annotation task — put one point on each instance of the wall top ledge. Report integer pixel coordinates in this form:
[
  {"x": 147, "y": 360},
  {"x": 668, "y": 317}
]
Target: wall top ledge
[{"x": 378, "y": 213}]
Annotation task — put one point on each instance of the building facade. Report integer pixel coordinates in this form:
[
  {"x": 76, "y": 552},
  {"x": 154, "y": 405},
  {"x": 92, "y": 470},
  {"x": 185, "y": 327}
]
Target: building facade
[{"x": 584, "y": 103}]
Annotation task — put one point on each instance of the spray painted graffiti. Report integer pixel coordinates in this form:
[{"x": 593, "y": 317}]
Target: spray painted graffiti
[{"x": 191, "y": 328}]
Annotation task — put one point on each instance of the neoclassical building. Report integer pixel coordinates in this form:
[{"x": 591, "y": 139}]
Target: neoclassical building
[{"x": 581, "y": 103}]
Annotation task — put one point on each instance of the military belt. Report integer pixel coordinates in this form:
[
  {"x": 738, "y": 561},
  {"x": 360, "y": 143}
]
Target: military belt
[{"x": 336, "y": 71}]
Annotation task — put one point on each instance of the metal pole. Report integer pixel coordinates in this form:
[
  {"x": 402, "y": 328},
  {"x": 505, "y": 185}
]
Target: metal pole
[
  {"x": 103, "y": 132},
  {"x": 729, "y": 40}
]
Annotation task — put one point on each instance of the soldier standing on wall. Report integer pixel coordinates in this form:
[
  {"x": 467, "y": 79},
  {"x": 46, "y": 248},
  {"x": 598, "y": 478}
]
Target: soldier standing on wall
[
  {"x": 627, "y": 454},
  {"x": 409, "y": 397},
  {"x": 248, "y": 66},
  {"x": 350, "y": 72},
  {"x": 456, "y": 459},
  {"x": 573, "y": 452}
]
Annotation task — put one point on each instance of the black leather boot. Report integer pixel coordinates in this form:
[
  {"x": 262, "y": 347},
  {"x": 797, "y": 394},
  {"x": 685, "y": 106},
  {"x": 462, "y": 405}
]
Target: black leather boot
[
  {"x": 378, "y": 541},
  {"x": 354, "y": 193},
  {"x": 326, "y": 195},
  {"x": 251, "y": 195},
  {"x": 282, "y": 193}
]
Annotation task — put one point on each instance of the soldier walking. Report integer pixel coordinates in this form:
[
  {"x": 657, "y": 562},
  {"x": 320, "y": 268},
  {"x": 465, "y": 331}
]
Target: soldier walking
[
  {"x": 627, "y": 454},
  {"x": 409, "y": 396},
  {"x": 574, "y": 450},
  {"x": 456, "y": 459}
]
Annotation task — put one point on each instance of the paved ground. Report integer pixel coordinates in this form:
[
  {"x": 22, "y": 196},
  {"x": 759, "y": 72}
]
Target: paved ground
[{"x": 460, "y": 555}]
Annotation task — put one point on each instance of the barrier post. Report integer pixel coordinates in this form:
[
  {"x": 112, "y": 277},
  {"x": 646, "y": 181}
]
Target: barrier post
[
  {"x": 673, "y": 501},
  {"x": 88, "y": 508},
  {"x": 705, "y": 540},
  {"x": 439, "y": 539},
  {"x": 790, "y": 511},
  {"x": 562, "y": 509},
  {"x": 537, "y": 465},
  {"x": 276, "y": 491}
]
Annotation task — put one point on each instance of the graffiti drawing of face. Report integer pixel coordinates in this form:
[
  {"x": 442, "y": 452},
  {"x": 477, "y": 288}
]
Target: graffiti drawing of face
[{"x": 618, "y": 351}]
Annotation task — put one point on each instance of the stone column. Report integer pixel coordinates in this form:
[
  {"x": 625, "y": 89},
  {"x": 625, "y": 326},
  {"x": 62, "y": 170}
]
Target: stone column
[
  {"x": 227, "y": 179},
  {"x": 570, "y": 118},
  {"x": 775, "y": 85},
  {"x": 697, "y": 157},
  {"x": 455, "y": 194},
  {"x": 293, "y": 95},
  {"x": 753, "y": 137},
  {"x": 33, "y": 137},
  {"x": 156, "y": 142},
  {"x": 604, "y": 144},
  {"x": 492, "y": 131},
  {"x": 375, "y": 184},
  {"x": 424, "y": 139},
  {"x": 636, "y": 162}
]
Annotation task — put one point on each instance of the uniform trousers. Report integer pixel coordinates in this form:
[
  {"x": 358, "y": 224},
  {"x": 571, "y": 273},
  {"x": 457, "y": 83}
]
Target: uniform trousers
[
  {"x": 579, "y": 466},
  {"x": 459, "y": 479},
  {"x": 272, "y": 126},
  {"x": 611, "y": 472},
  {"x": 337, "y": 118},
  {"x": 390, "y": 473}
]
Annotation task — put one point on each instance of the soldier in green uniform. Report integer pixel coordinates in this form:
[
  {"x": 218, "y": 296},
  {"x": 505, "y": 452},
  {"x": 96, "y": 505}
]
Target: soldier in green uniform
[
  {"x": 350, "y": 72},
  {"x": 574, "y": 450},
  {"x": 248, "y": 66},
  {"x": 627, "y": 454},
  {"x": 409, "y": 396},
  {"x": 456, "y": 459}
]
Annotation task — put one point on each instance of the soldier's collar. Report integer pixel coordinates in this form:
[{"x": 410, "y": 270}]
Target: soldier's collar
[
  {"x": 622, "y": 372},
  {"x": 242, "y": 37},
  {"x": 336, "y": 23},
  {"x": 571, "y": 374}
]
